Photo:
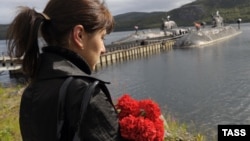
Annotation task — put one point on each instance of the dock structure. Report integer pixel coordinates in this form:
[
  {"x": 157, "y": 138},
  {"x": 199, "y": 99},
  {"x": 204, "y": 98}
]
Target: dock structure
[
  {"x": 129, "y": 53},
  {"x": 117, "y": 53},
  {"x": 13, "y": 65},
  {"x": 132, "y": 44}
]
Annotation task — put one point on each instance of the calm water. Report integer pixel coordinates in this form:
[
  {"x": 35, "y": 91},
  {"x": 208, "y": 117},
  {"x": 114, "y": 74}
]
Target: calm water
[{"x": 200, "y": 86}]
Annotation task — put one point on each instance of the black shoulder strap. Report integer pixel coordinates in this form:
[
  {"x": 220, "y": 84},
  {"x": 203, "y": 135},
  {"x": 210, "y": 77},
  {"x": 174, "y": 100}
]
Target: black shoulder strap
[
  {"x": 85, "y": 101},
  {"x": 60, "y": 106},
  {"x": 84, "y": 104}
]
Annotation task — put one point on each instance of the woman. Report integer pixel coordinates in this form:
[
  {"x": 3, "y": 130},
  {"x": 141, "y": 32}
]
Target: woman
[{"x": 73, "y": 31}]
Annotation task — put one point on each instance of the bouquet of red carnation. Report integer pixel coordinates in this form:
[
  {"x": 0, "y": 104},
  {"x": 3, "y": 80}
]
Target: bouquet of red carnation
[{"x": 140, "y": 120}]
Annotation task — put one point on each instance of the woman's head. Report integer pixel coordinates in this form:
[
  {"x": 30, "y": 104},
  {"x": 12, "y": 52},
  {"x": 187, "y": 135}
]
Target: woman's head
[
  {"x": 81, "y": 24},
  {"x": 65, "y": 14},
  {"x": 60, "y": 21}
]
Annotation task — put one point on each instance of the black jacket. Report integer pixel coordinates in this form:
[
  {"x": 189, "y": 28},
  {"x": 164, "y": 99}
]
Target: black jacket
[{"x": 38, "y": 110}]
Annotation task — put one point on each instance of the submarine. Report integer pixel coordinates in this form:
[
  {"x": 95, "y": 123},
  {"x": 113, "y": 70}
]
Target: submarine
[
  {"x": 168, "y": 29},
  {"x": 203, "y": 36}
]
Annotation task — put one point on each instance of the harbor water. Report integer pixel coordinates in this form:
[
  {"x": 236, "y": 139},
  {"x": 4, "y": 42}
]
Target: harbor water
[{"x": 203, "y": 87}]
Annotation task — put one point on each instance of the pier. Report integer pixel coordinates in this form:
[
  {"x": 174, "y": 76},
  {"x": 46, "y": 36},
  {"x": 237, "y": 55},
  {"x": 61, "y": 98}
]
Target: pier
[
  {"x": 114, "y": 54},
  {"x": 127, "y": 53},
  {"x": 13, "y": 65}
]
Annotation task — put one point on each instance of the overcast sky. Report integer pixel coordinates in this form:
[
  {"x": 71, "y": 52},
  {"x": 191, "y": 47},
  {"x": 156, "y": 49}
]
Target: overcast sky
[{"x": 8, "y": 7}]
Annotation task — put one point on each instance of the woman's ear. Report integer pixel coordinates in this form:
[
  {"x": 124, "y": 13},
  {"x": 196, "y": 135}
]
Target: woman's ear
[{"x": 78, "y": 36}]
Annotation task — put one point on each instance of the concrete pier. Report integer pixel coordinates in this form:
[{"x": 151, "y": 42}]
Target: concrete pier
[
  {"x": 8, "y": 64},
  {"x": 124, "y": 54},
  {"x": 117, "y": 54}
]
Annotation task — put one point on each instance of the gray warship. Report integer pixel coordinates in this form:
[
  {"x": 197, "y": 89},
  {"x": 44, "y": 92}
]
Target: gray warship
[
  {"x": 168, "y": 28},
  {"x": 204, "y": 35}
]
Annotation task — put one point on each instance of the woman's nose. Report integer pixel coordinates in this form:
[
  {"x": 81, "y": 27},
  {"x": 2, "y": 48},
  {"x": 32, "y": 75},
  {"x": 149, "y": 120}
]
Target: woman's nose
[{"x": 103, "y": 50}]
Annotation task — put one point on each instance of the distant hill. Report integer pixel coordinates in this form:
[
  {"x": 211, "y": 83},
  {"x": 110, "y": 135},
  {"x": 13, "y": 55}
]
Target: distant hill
[
  {"x": 143, "y": 20},
  {"x": 199, "y": 10}
]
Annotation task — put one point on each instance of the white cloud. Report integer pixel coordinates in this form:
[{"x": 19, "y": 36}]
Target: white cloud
[{"x": 8, "y": 7}]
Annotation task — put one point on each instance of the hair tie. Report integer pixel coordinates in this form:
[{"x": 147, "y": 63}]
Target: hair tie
[{"x": 46, "y": 17}]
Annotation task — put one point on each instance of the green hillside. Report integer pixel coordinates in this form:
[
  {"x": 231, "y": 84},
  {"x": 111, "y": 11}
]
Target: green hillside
[
  {"x": 199, "y": 10},
  {"x": 143, "y": 20}
]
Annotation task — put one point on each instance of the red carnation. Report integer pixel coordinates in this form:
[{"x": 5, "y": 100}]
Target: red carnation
[
  {"x": 127, "y": 106},
  {"x": 151, "y": 109},
  {"x": 127, "y": 127},
  {"x": 137, "y": 129},
  {"x": 140, "y": 120},
  {"x": 159, "y": 125}
]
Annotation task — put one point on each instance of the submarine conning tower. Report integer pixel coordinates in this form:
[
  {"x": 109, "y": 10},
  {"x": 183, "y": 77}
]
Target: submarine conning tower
[{"x": 217, "y": 20}]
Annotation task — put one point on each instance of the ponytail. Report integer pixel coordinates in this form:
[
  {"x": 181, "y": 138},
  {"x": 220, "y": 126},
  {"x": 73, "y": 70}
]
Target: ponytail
[{"x": 22, "y": 38}]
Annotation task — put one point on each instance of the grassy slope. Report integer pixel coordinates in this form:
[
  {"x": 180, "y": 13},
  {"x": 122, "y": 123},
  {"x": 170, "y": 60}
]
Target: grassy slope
[{"x": 9, "y": 110}]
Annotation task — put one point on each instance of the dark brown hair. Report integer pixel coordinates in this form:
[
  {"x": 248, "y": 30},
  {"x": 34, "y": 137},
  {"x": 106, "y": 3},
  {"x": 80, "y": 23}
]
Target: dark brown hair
[{"x": 59, "y": 17}]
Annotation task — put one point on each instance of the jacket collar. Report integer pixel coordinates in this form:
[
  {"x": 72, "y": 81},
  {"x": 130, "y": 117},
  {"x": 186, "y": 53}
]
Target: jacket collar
[{"x": 61, "y": 62}]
